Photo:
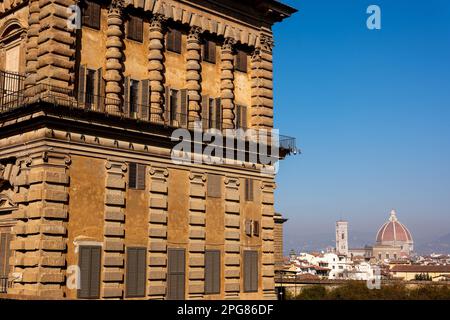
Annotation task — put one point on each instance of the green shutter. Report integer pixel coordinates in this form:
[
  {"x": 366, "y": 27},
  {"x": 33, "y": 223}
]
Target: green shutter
[
  {"x": 136, "y": 272},
  {"x": 89, "y": 261},
  {"x": 81, "y": 83},
  {"x": 212, "y": 271},
  {"x": 176, "y": 274},
  {"x": 126, "y": 94}
]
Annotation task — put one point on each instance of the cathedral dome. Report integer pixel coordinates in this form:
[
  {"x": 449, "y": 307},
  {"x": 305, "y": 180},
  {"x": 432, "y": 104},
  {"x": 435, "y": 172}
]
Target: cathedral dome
[{"x": 393, "y": 232}]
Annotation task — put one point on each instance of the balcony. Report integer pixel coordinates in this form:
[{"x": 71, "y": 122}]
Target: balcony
[{"x": 14, "y": 97}]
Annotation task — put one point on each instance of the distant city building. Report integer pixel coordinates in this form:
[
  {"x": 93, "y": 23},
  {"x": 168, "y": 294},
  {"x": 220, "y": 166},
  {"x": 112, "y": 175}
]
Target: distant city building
[
  {"x": 394, "y": 241},
  {"x": 342, "y": 237}
]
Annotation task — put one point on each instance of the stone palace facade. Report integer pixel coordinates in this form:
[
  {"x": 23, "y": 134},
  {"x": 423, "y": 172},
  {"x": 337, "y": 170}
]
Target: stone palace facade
[{"x": 91, "y": 204}]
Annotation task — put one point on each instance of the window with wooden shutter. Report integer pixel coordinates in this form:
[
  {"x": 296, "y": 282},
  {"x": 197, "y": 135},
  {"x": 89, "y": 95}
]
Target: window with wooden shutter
[
  {"x": 212, "y": 271},
  {"x": 135, "y": 30},
  {"x": 248, "y": 228},
  {"x": 5, "y": 252},
  {"x": 174, "y": 107},
  {"x": 134, "y": 98},
  {"x": 89, "y": 261},
  {"x": 176, "y": 266},
  {"x": 91, "y": 15},
  {"x": 209, "y": 51},
  {"x": 136, "y": 176},
  {"x": 214, "y": 186},
  {"x": 90, "y": 89},
  {"x": 218, "y": 113},
  {"x": 250, "y": 271},
  {"x": 241, "y": 117},
  {"x": 173, "y": 41},
  {"x": 249, "y": 189},
  {"x": 241, "y": 61},
  {"x": 255, "y": 228},
  {"x": 136, "y": 272},
  {"x": 145, "y": 99},
  {"x": 184, "y": 108}
]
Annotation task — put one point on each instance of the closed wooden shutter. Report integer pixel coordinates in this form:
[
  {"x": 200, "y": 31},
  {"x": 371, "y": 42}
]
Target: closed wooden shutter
[
  {"x": 89, "y": 262},
  {"x": 136, "y": 176},
  {"x": 91, "y": 15},
  {"x": 248, "y": 227},
  {"x": 218, "y": 114},
  {"x": 174, "y": 41},
  {"x": 81, "y": 83},
  {"x": 241, "y": 61},
  {"x": 248, "y": 189},
  {"x": 176, "y": 274},
  {"x": 209, "y": 51},
  {"x": 250, "y": 271},
  {"x": 238, "y": 116},
  {"x": 214, "y": 185},
  {"x": 205, "y": 111},
  {"x": 243, "y": 114},
  {"x": 136, "y": 272},
  {"x": 140, "y": 183},
  {"x": 212, "y": 271},
  {"x": 184, "y": 101},
  {"x": 167, "y": 104},
  {"x": 145, "y": 91},
  {"x": 132, "y": 174},
  {"x": 135, "y": 29},
  {"x": 5, "y": 251},
  {"x": 256, "y": 228},
  {"x": 126, "y": 95},
  {"x": 100, "y": 90}
]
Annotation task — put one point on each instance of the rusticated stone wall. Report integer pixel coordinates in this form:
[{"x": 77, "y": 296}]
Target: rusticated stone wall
[
  {"x": 262, "y": 84},
  {"x": 156, "y": 67},
  {"x": 56, "y": 46},
  {"x": 227, "y": 84},
  {"x": 232, "y": 255},
  {"x": 197, "y": 234},
  {"x": 157, "y": 233},
  {"x": 40, "y": 233},
  {"x": 267, "y": 235},
  {"x": 193, "y": 74},
  {"x": 114, "y": 231}
]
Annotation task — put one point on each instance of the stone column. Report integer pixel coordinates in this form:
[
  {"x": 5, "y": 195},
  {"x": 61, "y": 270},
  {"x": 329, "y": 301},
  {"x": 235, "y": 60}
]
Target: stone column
[
  {"x": 232, "y": 253},
  {"x": 227, "y": 84},
  {"x": 56, "y": 47},
  {"x": 193, "y": 75},
  {"x": 39, "y": 248},
  {"x": 267, "y": 236},
  {"x": 156, "y": 68},
  {"x": 157, "y": 255},
  {"x": 114, "y": 231},
  {"x": 197, "y": 235},
  {"x": 262, "y": 85},
  {"x": 31, "y": 55},
  {"x": 114, "y": 57}
]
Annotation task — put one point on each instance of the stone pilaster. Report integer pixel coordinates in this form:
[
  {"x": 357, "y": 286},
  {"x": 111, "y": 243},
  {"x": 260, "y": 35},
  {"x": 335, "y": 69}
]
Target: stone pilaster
[
  {"x": 114, "y": 57},
  {"x": 193, "y": 75},
  {"x": 56, "y": 46},
  {"x": 267, "y": 236},
  {"x": 32, "y": 44},
  {"x": 114, "y": 231},
  {"x": 262, "y": 85},
  {"x": 232, "y": 254},
  {"x": 197, "y": 235},
  {"x": 156, "y": 67},
  {"x": 227, "y": 84},
  {"x": 39, "y": 248},
  {"x": 157, "y": 254}
]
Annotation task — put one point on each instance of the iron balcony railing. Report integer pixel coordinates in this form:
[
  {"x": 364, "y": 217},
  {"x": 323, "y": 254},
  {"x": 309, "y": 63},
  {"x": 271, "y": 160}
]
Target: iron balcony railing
[{"x": 14, "y": 95}]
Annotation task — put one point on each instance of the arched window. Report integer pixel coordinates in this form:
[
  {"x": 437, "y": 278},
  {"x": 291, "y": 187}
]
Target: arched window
[{"x": 12, "y": 38}]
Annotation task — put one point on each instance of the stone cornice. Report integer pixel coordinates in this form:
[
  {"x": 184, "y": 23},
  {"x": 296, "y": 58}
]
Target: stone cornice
[{"x": 180, "y": 13}]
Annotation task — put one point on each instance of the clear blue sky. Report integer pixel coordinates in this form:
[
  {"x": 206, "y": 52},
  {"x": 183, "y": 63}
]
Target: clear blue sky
[{"x": 371, "y": 113}]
